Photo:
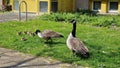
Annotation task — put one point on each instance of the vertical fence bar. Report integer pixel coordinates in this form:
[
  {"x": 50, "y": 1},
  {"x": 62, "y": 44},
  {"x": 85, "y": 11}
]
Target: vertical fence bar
[{"x": 20, "y": 10}]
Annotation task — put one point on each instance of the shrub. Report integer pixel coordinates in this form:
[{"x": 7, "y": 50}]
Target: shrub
[
  {"x": 83, "y": 18},
  {"x": 87, "y": 12},
  {"x": 108, "y": 23},
  {"x": 60, "y": 16}
]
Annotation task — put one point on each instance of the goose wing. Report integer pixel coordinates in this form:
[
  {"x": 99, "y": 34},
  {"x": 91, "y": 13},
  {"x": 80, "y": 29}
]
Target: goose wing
[
  {"x": 51, "y": 34},
  {"x": 78, "y": 46}
]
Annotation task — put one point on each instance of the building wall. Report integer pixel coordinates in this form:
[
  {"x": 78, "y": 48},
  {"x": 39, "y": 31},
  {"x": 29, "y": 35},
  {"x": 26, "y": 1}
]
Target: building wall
[
  {"x": 33, "y": 5},
  {"x": 0, "y": 4},
  {"x": 4, "y": 2},
  {"x": 82, "y": 4},
  {"x": 104, "y": 5},
  {"x": 66, "y": 5},
  {"x": 119, "y": 6},
  {"x": 90, "y": 4},
  {"x": 11, "y": 3}
]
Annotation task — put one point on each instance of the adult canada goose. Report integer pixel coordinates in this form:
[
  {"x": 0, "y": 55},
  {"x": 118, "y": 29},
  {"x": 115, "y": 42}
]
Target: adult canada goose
[
  {"x": 48, "y": 34},
  {"x": 75, "y": 44}
]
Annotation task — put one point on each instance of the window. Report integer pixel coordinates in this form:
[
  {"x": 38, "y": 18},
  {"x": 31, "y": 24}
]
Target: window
[
  {"x": 113, "y": 6},
  {"x": 97, "y": 5},
  {"x": 8, "y": 1},
  {"x": 43, "y": 6},
  {"x": 54, "y": 6},
  {"x": 16, "y": 5}
]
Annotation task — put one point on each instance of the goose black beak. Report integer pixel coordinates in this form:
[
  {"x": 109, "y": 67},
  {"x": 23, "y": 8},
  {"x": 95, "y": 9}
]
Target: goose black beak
[
  {"x": 72, "y": 21},
  {"x": 37, "y": 31}
]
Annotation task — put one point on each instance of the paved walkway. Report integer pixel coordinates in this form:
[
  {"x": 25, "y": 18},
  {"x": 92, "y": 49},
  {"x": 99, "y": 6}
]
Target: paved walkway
[
  {"x": 8, "y": 16},
  {"x": 13, "y": 59}
]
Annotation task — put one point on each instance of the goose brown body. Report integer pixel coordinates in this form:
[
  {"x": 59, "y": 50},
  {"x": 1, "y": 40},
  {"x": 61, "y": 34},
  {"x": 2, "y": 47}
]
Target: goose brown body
[
  {"x": 51, "y": 34},
  {"x": 75, "y": 44},
  {"x": 48, "y": 34}
]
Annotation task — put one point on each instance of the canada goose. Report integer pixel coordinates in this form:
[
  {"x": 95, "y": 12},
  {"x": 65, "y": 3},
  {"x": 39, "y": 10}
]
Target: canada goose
[
  {"x": 19, "y": 33},
  {"x": 23, "y": 39},
  {"x": 27, "y": 32},
  {"x": 75, "y": 44},
  {"x": 48, "y": 34},
  {"x": 32, "y": 34}
]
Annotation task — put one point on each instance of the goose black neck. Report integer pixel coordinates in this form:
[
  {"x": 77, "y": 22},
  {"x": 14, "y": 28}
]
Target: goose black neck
[{"x": 74, "y": 30}]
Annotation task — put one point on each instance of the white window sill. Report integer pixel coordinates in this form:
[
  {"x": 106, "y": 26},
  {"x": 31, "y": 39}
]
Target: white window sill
[
  {"x": 97, "y": 10},
  {"x": 113, "y": 11}
]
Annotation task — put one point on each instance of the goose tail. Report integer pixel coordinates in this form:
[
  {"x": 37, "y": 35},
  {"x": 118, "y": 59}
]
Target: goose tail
[
  {"x": 84, "y": 56},
  {"x": 62, "y": 36},
  {"x": 87, "y": 55}
]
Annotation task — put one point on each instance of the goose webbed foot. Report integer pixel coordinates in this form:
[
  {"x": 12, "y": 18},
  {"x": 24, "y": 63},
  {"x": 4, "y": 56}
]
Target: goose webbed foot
[
  {"x": 48, "y": 42},
  {"x": 73, "y": 53}
]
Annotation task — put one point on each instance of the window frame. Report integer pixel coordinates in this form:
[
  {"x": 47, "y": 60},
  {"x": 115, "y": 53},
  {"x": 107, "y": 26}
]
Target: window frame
[
  {"x": 16, "y": 5},
  {"x": 113, "y": 10},
  {"x": 40, "y": 6},
  {"x": 93, "y": 4}
]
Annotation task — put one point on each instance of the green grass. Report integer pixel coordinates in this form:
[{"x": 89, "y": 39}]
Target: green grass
[{"x": 103, "y": 43}]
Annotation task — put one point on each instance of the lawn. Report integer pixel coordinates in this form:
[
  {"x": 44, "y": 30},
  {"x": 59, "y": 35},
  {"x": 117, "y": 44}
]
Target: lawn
[{"x": 102, "y": 42}]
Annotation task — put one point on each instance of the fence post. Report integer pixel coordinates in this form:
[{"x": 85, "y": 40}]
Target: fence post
[{"x": 20, "y": 10}]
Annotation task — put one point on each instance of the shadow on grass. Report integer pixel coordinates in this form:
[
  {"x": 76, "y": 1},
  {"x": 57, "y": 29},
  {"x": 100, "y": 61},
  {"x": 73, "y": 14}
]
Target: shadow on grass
[{"x": 51, "y": 44}]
